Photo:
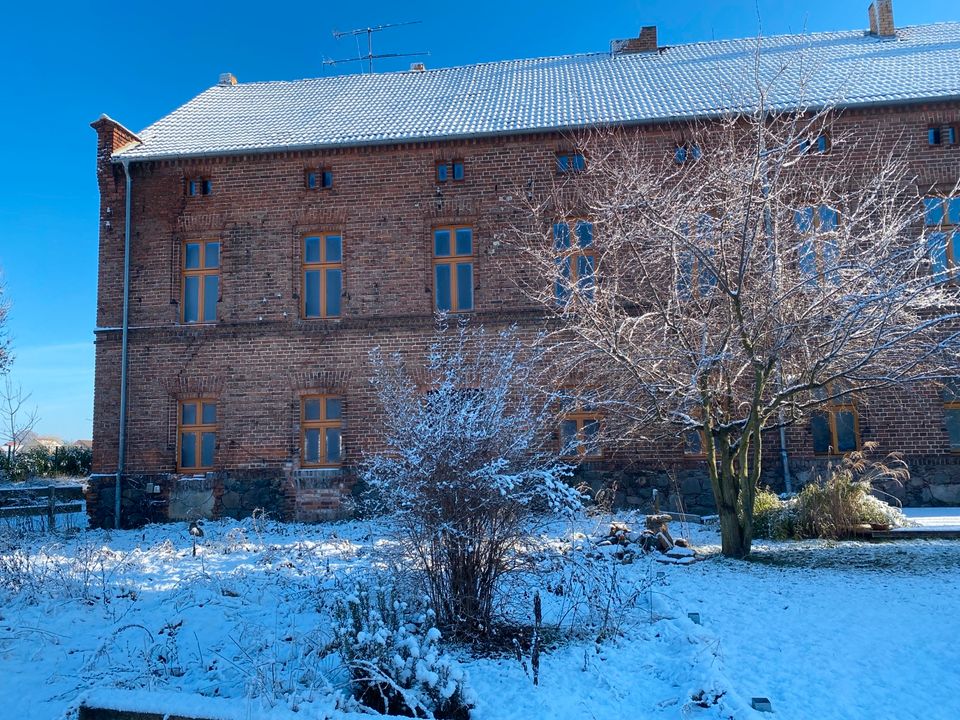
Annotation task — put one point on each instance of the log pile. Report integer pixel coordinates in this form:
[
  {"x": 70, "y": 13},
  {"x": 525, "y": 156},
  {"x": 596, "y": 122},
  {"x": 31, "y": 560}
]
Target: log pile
[{"x": 625, "y": 543}]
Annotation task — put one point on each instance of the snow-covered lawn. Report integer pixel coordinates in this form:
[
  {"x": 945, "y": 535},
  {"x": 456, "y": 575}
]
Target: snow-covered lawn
[{"x": 824, "y": 630}]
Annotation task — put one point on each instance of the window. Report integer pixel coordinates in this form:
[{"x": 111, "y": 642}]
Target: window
[
  {"x": 580, "y": 433},
  {"x": 818, "y": 145},
  {"x": 322, "y": 276},
  {"x": 570, "y": 162},
  {"x": 950, "y": 136},
  {"x": 201, "y": 281},
  {"x": 196, "y": 434},
  {"x": 318, "y": 179},
  {"x": 695, "y": 278},
  {"x": 951, "y": 411},
  {"x": 693, "y": 443},
  {"x": 576, "y": 261},
  {"x": 199, "y": 186},
  {"x": 686, "y": 152},
  {"x": 453, "y": 269},
  {"x": 450, "y": 170},
  {"x": 934, "y": 136},
  {"x": 321, "y": 436},
  {"x": 819, "y": 250},
  {"x": 835, "y": 427},
  {"x": 942, "y": 217}
]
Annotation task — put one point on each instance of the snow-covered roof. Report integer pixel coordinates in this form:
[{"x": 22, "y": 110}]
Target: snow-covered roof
[{"x": 848, "y": 68}]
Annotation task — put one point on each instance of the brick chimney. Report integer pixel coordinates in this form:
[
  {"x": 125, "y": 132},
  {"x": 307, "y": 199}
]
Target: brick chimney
[
  {"x": 645, "y": 42},
  {"x": 227, "y": 79},
  {"x": 881, "y": 19}
]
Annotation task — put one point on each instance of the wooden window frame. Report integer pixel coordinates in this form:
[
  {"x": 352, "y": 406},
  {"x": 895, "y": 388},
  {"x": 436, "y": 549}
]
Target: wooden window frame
[
  {"x": 950, "y": 229},
  {"x": 951, "y": 403},
  {"x": 197, "y": 430},
  {"x": 574, "y": 252},
  {"x": 686, "y": 152},
  {"x": 569, "y": 167},
  {"x": 320, "y": 174},
  {"x": 581, "y": 416},
  {"x": 204, "y": 186},
  {"x": 202, "y": 273},
  {"x": 831, "y": 409},
  {"x": 321, "y": 425},
  {"x": 810, "y": 145},
  {"x": 452, "y": 260},
  {"x": 818, "y": 237},
  {"x": 322, "y": 266}
]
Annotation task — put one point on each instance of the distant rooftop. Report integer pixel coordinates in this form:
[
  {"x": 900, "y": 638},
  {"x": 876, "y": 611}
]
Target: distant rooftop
[{"x": 850, "y": 69}]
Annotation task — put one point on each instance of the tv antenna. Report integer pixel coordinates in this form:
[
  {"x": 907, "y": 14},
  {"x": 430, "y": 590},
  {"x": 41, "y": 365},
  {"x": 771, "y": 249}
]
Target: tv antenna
[{"x": 370, "y": 56}]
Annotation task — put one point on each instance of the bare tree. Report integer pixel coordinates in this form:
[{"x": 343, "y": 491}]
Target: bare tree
[
  {"x": 770, "y": 266},
  {"x": 17, "y": 420},
  {"x": 5, "y": 357},
  {"x": 463, "y": 466}
]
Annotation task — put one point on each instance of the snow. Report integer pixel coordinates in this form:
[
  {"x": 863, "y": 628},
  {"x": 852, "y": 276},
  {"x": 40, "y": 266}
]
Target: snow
[
  {"x": 824, "y": 630},
  {"x": 939, "y": 518}
]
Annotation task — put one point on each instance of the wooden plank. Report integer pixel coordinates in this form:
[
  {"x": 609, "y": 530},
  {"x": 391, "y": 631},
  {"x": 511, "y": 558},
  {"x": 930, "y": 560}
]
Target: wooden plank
[
  {"x": 63, "y": 492},
  {"x": 37, "y": 510}
]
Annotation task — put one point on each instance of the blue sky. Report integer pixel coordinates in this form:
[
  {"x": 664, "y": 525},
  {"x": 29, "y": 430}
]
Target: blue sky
[{"x": 66, "y": 63}]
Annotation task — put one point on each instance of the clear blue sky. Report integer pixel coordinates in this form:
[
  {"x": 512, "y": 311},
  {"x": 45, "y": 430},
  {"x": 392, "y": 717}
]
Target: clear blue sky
[{"x": 67, "y": 62}]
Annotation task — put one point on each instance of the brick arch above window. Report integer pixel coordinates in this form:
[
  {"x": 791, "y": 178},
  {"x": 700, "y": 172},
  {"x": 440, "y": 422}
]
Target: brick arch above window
[
  {"x": 188, "y": 386},
  {"x": 320, "y": 381}
]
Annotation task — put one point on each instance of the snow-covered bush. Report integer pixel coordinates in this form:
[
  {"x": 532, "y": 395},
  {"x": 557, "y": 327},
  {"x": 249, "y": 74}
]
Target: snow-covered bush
[
  {"x": 392, "y": 649},
  {"x": 773, "y": 518},
  {"x": 467, "y": 461},
  {"x": 832, "y": 508}
]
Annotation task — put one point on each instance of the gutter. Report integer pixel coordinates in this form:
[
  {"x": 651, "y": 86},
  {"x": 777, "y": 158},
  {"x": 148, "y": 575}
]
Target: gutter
[
  {"x": 125, "y": 326},
  {"x": 520, "y": 132}
]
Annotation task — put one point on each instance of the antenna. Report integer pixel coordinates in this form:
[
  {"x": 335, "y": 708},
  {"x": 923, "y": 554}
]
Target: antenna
[{"x": 370, "y": 57}]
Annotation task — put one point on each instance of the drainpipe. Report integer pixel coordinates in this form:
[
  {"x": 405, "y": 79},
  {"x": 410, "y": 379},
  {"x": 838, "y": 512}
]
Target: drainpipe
[
  {"x": 768, "y": 228},
  {"x": 122, "y": 440}
]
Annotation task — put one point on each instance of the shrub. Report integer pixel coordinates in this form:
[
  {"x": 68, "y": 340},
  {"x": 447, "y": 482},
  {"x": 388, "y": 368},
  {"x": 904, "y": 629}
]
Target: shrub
[
  {"x": 772, "y": 517},
  {"x": 833, "y": 508},
  {"x": 464, "y": 468},
  {"x": 392, "y": 650},
  {"x": 39, "y": 462}
]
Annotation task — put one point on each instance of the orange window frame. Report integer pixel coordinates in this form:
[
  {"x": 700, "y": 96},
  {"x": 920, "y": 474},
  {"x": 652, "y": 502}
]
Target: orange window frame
[
  {"x": 573, "y": 252},
  {"x": 452, "y": 261},
  {"x": 951, "y": 232},
  {"x": 582, "y": 416},
  {"x": 833, "y": 408},
  {"x": 321, "y": 424},
  {"x": 201, "y": 272},
  {"x": 197, "y": 430},
  {"x": 321, "y": 267}
]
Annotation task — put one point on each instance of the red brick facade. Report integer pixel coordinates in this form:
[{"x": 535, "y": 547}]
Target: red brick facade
[{"x": 260, "y": 356}]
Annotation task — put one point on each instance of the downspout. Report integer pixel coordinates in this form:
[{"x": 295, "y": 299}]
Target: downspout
[
  {"x": 122, "y": 440},
  {"x": 768, "y": 228}
]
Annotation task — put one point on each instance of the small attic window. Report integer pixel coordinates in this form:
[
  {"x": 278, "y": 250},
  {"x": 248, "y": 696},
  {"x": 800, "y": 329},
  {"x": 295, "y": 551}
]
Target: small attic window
[
  {"x": 570, "y": 162},
  {"x": 450, "y": 171},
  {"x": 687, "y": 152},
  {"x": 950, "y": 135},
  {"x": 199, "y": 186},
  {"x": 818, "y": 145},
  {"x": 318, "y": 179},
  {"x": 934, "y": 136}
]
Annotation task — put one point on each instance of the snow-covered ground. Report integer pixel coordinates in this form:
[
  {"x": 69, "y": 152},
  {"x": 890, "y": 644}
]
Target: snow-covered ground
[{"x": 824, "y": 630}]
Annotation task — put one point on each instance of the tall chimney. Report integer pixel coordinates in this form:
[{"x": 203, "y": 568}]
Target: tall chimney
[
  {"x": 881, "y": 19},
  {"x": 645, "y": 42}
]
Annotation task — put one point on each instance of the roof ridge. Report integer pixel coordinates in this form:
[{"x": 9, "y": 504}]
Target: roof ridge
[{"x": 595, "y": 53}]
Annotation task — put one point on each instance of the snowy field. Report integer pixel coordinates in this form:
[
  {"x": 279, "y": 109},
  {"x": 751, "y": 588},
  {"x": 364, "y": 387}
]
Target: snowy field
[{"x": 824, "y": 630}]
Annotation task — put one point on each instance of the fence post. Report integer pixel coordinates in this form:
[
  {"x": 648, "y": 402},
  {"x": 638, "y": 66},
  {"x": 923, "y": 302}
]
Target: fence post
[{"x": 51, "y": 508}]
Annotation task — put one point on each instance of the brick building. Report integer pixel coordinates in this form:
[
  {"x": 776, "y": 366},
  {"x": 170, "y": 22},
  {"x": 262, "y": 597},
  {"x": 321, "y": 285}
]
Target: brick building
[{"x": 269, "y": 234}]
